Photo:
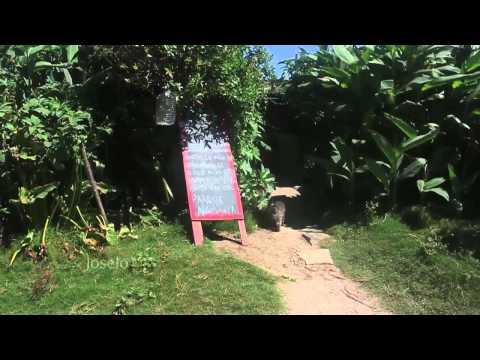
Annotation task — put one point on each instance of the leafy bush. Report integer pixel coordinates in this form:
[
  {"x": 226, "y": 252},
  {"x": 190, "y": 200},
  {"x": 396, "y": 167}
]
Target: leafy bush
[
  {"x": 55, "y": 99},
  {"x": 41, "y": 129},
  {"x": 364, "y": 95},
  {"x": 460, "y": 236},
  {"x": 225, "y": 79},
  {"x": 416, "y": 217}
]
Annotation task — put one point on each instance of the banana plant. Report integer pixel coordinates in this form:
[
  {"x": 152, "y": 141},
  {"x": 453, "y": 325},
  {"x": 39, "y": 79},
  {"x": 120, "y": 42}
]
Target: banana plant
[
  {"x": 390, "y": 173},
  {"x": 460, "y": 187},
  {"x": 342, "y": 165}
]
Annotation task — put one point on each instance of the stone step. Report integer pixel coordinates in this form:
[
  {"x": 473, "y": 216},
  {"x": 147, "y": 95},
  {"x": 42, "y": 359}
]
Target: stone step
[{"x": 316, "y": 257}]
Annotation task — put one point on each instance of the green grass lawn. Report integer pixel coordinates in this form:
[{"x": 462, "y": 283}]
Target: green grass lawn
[
  {"x": 410, "y": 272},
  {"x": 159, "y": 273}
]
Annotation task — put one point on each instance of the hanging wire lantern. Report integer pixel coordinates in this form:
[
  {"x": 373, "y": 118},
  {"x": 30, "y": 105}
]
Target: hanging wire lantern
[{"x": 165, "y": 108}]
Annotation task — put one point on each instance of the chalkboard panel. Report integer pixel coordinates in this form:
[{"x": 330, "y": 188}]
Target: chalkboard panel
[{"x": 210, "y": 176}]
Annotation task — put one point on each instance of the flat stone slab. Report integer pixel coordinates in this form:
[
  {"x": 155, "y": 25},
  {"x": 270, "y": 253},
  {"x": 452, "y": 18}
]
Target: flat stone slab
[
  {"x": 316, "y": 257},
  {"x": 312, "y": 228}
]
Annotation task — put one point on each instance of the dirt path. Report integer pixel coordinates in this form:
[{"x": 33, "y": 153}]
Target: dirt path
[{"x": 307, "y": 289}]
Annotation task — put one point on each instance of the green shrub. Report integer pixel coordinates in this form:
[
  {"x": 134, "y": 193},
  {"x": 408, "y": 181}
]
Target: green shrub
[
  {"x": 228, "y": 80},
  {"x": 416, "y": 217},
  {"x": 42, "y": 128},
  {"x": 430, "y": 94},
  {"x": 460, "y": 236}
]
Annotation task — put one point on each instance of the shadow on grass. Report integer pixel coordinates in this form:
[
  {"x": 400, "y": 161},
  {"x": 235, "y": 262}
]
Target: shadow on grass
[{"x": 214, "y": 235}]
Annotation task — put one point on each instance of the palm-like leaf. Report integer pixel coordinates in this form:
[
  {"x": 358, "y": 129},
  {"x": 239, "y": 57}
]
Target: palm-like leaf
[{"x": 386, "y": 147}]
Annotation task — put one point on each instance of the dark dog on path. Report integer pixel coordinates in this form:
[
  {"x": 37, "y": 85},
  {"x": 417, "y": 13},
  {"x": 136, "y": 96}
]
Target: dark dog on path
[{"x": 277, "y": 212}]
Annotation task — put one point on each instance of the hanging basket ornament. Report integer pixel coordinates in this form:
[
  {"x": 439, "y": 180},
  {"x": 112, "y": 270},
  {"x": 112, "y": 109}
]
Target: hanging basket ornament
[{"x": 165, "y": 108}]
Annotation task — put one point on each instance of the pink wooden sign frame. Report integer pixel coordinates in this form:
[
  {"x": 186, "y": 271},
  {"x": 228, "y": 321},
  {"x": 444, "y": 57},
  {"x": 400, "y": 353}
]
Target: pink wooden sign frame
[{"x": 214, "y": 216}]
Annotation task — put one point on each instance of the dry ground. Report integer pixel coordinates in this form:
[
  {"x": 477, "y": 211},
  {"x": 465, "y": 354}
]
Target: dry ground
[{"x": 307, "y": 289}]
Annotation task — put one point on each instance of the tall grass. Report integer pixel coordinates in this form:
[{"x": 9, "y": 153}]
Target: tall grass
[{"x": 409, "y": 270}]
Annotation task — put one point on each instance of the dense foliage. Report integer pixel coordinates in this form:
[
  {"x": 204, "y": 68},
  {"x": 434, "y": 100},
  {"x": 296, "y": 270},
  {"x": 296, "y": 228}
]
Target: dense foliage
[
  {"x": 406, "y": 118},
  {"x": 227, "y": 80},
  {"x": 42, "y": 127},
  {"x": 55, "y": 99}
]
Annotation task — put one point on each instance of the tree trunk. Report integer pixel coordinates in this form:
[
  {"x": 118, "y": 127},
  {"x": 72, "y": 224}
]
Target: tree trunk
[
  {"x": 94, "y": 184},
  {"x": 393, "y": 205}
]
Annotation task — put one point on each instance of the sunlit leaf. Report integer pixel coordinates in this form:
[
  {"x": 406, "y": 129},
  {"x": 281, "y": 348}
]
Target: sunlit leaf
[
  {"x": 432, "y": 183},
  {"x": 403, "y": 126},
  {"x": 446, "y": 80},
  {"x": 419, "y": 140},
  {"x": 72, "y": 52},
  {"x": 68, "y": 77},
  {"x": 344, "y": 54},
  {"x": 413, "y": 168}
]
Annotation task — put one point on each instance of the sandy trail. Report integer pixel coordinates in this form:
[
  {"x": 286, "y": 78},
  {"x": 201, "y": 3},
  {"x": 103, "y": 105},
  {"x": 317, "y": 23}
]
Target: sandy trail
[{"x": 319, "y": 289}]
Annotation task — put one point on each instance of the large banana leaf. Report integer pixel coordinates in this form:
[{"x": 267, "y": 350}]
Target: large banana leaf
[
  {"x": 35, "y": 49},
  {"x": 441, "y": 192},
  {"x": 432, "y": 186},
  {"x": 344, "y": 54},
  {"x": 29, "y": 196},
  {"x": 339, "y": 74},
  {"x": 473, "y": 62},
  {"x": 419, "y": 140},
  {"x": 388, "y": 149},
  {"x": 443, "y": 69},
  {"x": 446, "y": 80},
  {"x": 403, "y": 126},
  {"x": 380, "y": 172},
  {"x": 43, "y": 64},
  {"x": 72, "y": 52},
  {"x": 431, "y": 49},
  {"x": 432, "y": 183},
  {"x": 413, "y": 168}
]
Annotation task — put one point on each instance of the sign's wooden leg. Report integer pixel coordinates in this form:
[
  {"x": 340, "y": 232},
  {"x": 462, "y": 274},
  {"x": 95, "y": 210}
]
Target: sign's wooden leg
[
  {"x": 243, "y": 232},
  {"x": 197, "y": 233}
]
